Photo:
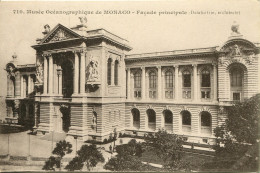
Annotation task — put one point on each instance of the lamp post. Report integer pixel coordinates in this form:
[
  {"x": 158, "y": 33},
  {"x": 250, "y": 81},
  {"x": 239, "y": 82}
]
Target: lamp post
[
  {"x": 8, "y": 154},
  {"x": 115, "y": 137},
  {"x": 29, "y": 146},
  {"x": 76, "y": 137},
  {"x": 52, "y": 140}
]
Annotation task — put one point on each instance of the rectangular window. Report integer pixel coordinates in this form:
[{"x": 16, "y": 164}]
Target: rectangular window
[
  {"x": 236, "y": 96},
  {"x": 205, "y": 80},
  {"x": 186, "y": 80}
]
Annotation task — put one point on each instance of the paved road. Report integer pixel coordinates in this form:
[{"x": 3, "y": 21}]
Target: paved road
[{"x": 19, "y": 146}]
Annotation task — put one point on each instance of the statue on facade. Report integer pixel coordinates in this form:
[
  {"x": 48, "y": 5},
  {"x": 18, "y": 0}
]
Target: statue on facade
[
  {"x": 93, "y": 74},
  {"x": 39, "y": 72},
  {"x": 10, "y": 68},
  {"x": 83, "y": 20},
  {"x": 236, "y": 50},
  {"x": 47, "y": 28}
]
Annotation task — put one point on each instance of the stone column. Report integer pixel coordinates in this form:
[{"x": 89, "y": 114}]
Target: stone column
[
  {"x": 113, "y": 72},
  {"x": 159, "y": 89},
  {"x": 82, "y": 73},
  {"x": 128, "y": 83},
  {"x": 29, "y": 84},
  {"x": 22, "y": 93},
  {"x": 59, "y": 72},
  {"x": 76, "y": 74},
  {"x": 215, "y": 89},
  {"x": 50, "y": 75},
  {"x": 45, "y": 77},
  {"x": 176, "y": 80},
  {"x": 195, "y": 82},
  {"x": 143, "y": 83},
  {"x": 55, "y": 81}
]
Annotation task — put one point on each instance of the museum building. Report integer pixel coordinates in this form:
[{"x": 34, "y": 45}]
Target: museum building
[{"x": 85, "y": 84}]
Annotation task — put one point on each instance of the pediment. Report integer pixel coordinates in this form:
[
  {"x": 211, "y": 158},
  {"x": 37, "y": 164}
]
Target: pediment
[
  {"x": 59, "y": 33},
  {"x": 238, "y": 47}
]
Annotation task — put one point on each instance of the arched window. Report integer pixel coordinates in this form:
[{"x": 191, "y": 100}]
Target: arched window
[
  {"x": 12, "y": 86},
  {"x": 205, "y": 78},
  {"x": 186, "y": 83},
  {"x": 116, "y": 72},
  {"x": 205, "y": 84},
  {"x": 109, "y": 63},
  {"x": 236, "y": 77},
  {"x": 152, "y": 84},
  {"x": 186, "y": 78},
  {"x": 152, "y": 80},
  {"x": 236, "y": 83},
  {"x": 136, "y": 118},
  {"x": 186, "y": 121},
  {"x": 205, "y": 119},
  {"x": 94, "y": 121},
  {"x": 168, "y": 85},
  {"x": 151, "y": 115},
  {"x": 168, "y": 120},
  {"x": 137, "y": 85},
  {"x": 137, "y": 80},
  {"x": 168, "y": 79}
]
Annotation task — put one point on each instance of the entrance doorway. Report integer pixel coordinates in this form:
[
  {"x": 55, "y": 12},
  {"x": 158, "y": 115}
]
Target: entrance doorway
[{"x": 67, "y": 78}]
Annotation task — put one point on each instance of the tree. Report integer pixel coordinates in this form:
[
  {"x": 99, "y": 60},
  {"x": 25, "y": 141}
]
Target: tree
[
  {"x": 51, "y": 163},
  {"x": 125, "y": 159},
  {"x": 133, "y": 148},
  {"x": 124, "y": 163},
  {"x": 75, "y": 164},
  {"x": 89, "y": 155},
  {"x": 166, "y": 146},
  {"x": 239, "y": 133},
  {"x": 60, "y": 150}
]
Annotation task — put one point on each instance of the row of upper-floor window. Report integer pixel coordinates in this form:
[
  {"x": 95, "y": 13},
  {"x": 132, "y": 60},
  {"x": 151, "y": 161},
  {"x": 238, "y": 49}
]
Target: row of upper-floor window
[{"x": 236, "y": 80}]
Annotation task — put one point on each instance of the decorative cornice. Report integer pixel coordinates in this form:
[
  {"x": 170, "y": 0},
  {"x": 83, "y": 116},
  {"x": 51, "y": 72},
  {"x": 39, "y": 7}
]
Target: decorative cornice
[{"x": 172, "y": 53}]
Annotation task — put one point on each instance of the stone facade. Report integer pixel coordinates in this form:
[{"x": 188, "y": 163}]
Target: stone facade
[{"x": 85, "y": 84}]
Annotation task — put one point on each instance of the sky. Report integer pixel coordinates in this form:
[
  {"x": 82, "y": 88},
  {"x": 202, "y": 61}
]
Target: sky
[{"x": 145, "y": 33}]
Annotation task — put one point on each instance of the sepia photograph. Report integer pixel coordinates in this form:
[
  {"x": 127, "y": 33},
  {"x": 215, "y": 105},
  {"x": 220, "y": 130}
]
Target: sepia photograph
[{"x": 136, "y": 86}]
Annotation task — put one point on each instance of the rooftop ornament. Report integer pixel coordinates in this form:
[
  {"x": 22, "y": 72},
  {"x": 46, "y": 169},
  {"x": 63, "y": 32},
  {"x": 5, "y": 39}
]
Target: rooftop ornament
[
  {"x": 235, "y": 30},
  {"x": 47, "y": 29}
]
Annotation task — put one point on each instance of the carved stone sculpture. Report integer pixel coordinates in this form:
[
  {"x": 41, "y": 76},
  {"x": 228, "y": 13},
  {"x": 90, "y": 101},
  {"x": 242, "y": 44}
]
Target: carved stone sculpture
[
  {"x": 235, "y": 28},
  {"x": 11, "y": 70},
  {"x": 93, "y": 72},
  {"x": 39, "y": 72},
  {"x": 236, "y": 51},
  {"x": 250, "y": 57},
  {"x": 83, "y": 20}
]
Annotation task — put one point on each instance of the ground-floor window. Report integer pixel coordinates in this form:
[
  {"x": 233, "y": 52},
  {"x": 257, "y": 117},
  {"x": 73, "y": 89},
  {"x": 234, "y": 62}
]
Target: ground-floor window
[
  {"x": 205, "y": 119},
  {"x": 151, "y": 119},
  {"x": 168, "y": 120},
  {"x": 136, "y": 118},
  {"x": 186, "y": 121}
]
